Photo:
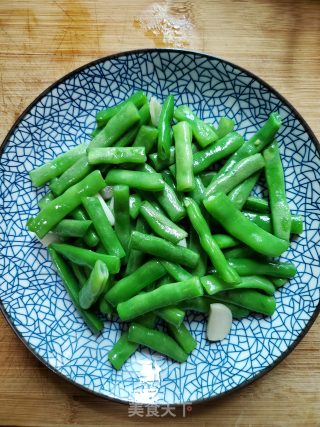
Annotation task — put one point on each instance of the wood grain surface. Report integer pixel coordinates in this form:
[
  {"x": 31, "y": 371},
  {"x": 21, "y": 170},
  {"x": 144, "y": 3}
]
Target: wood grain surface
[{"x": 40, "y": 41}]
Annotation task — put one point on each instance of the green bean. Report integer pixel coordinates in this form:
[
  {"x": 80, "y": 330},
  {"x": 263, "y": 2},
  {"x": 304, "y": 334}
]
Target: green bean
[
  {"x": 71, "y": 176},
  {"x": 202, "y": 305},
  {"x": 124, "y": 348},
  {"x": 212, "y": 284},
  {"x": 95, "y": 132},
  {"x": 225, "y": 126},
  {"x": 246, "y": 266},
  {"x": 102, "y": 117},
  {"x": 198, "y": 193},
  {"x": 126, "y": 117},
  {"x": 86, "y": 257},
  {"x": 184, "y": 174},
  {"x": 57, "y": 166},
  {"x": 60, "y": 207},
  {"x": 264, "y": 221},
  {"x": 194, "y": 245},
  {"x": 70, "y": 283},
  {"x": 164, "y": 296},
  {"x": 158, "y": 164},
  {"x": 122, "y": 224},
  {"x": 164, "y": 280},
  {"x": 116, "y": 155},
  {"x": 162, "y": 225},
  {"x": 224, "y": 241},
  {"x": 132, "y": 284},
  {"x": 241, "y": 192},
  {"x": 203, "y": 132},
  {"x": 280, "y": 211},
  {"x": 47, "y": 198},
  {"x": 240, "y": 252},
  {"x": 104, "y": 307},
  {"x": 146, "y": 138},
  {"x": 240, "y": 227},
  {"x": 171, "y": 315},
  {"x": 177, "y": 272},
  {"x": 183, "y": 337},
  {"x": 208, "y": 244},
  {"x": 254, "y": 145},
  {"x": 235, "y": 175},
  {"x": 257, "y": 204},
  {"x": 278, "y": 282},
  {"x": 217, "y": 151},
  {"x": 136, "y": 257},
  {"x": 207, "y": 177},
  {"x": 107, "y": 235},
  {"x": 95, "y": 285},
  {"x": 164, "y": 136},
  {"x": 250, "y": 299},
  {"x": 79, "y": 273},
  {"x": 129, "y": 137},
  {"x": 157, "y": 341},
  {"x": 91, "y": 238},
  {"x": 72, "y": 228},
  {"x": 161, "y": 248},
  {"x": 135, "y": 179},
  {"x": 134, "y": 205}
]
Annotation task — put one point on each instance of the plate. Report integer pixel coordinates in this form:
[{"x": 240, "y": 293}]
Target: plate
[{"x": 33, "y": 298}]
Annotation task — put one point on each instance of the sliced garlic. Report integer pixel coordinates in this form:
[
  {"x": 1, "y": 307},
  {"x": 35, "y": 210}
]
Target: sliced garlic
[
  {"x": 106, "y": 209},
  {"x": 219, "y": 322}
]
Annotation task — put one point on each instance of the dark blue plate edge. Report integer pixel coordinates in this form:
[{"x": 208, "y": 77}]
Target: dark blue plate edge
[{"x": 141, "y": 51}]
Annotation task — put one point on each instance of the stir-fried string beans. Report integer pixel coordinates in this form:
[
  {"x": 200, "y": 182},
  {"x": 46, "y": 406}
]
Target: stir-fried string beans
[
  {"x": 164, "y": 268},
  {"x": 208, "y": 244},
  {"x": 164, "y": 136}
]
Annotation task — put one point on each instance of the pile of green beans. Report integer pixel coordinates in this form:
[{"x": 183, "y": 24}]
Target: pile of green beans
[{"x": 176, "y": 231}]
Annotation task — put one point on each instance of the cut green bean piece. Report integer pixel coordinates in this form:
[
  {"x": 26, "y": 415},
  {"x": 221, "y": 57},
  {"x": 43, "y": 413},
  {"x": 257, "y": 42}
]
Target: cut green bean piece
[
  {"x": 79, "y": 273},
  {"x": 122, "y": 224},
  {"x": 135, "y": 179},
  {"x": 164, "y": 136},
  {"x": 95, "y": 132},
  {"x": 203, "y": 132},
  {"x": 177, "y": 272},
  {"x": 95, "y": 285},
  {"x": 162, "y": 225},
  {"x": 157, "y": 341},
  {"x": 225, "y": 126},
  {"x": 158, "y": 164},
  {"x": 278, "y": 282},
  {"x": 116, "y": 155},
  {"x": 72, "y": 228},
  {"x": 171, "y": 315},
  {"x": 129, "y": 137},
  {"x": 147, "y": 138},
  {"x": 102, "y": 117},
  {"x": 280, "y": 211},
  {"x": 198, "y": 193},
  {"x": 126, "y": 117},
  {"x": 213, "y": 284},
  {"x": 134, "y": 205},
  {"x": 256, "y": 204},
  {"x": 202, "y": 305},
  {"x": 246, "y": 266},
  {"x": 221, "y": 149},
  {"x": 70, "y": 283},
  {"x": 241, "y": 252},
  {"x": 207, "y": 177},
  {"x": 235, "y": 175},
  {"x": 135, "y": 258},
  {"x": 208, "y": 244},
  {"x": 264, "y": 221},
  {"x": 183, "y": 337},
  {"x": 57, "y": 166},
  {"x": 131, "y": 285},
  {"x": 91, "y": 238},
  {"x": 158, "y": 247},
  {"x": 241, "y": 192},
  {"x": 47, "y": 198},
  {"x": 250, "y": 299},
  {"x": 194, "y": 245},
  {"x": 101, "y": 223},
  {"x": 224, "y": 241},
  {"x": 184, "y": 170},
  {"x": 86, "y": 257},
  {"x": 71, "y": 176},
  {"x": 240, "y": 227},
  {"x": 164, "y": 296},
  {"x": 63, "y": 205}
]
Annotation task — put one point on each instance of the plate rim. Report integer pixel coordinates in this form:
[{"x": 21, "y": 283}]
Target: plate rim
[{"x": 297, "y": 115}]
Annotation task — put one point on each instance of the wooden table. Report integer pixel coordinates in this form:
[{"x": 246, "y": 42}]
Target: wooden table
[{"x": 40, "y": 41}]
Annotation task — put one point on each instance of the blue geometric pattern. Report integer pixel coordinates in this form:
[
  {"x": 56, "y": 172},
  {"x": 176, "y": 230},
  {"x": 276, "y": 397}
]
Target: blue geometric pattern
[{"x": 34, "y": 298}]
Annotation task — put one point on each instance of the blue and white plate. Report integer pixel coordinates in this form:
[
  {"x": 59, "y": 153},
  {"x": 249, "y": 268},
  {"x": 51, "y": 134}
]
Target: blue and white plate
[{"x": 33, "y": 298}]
